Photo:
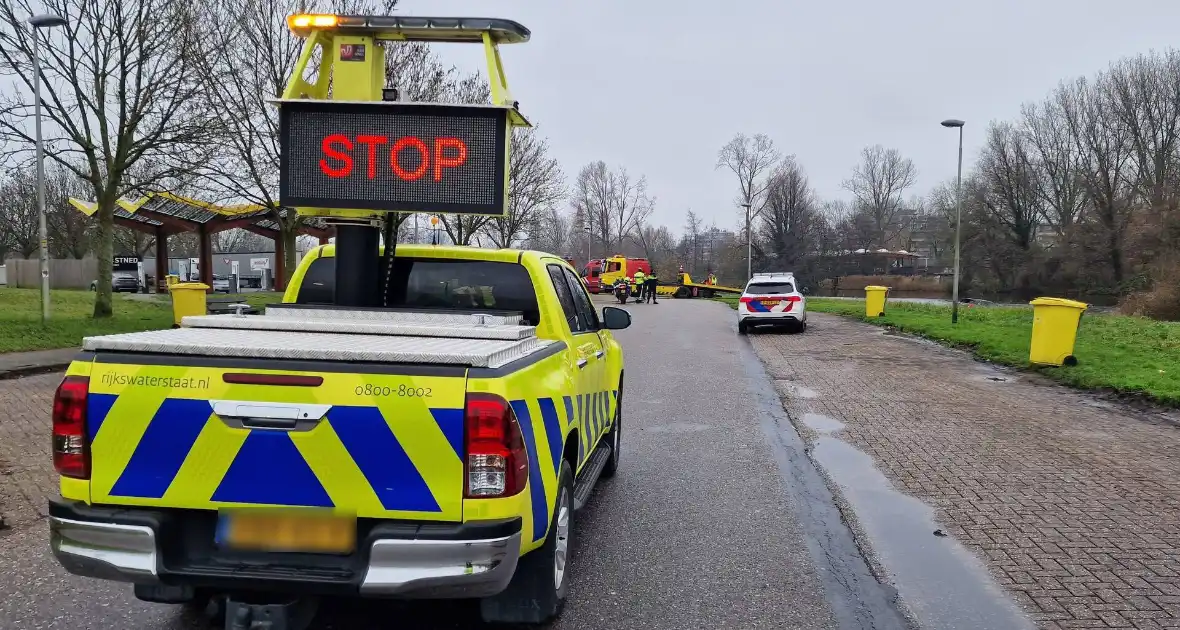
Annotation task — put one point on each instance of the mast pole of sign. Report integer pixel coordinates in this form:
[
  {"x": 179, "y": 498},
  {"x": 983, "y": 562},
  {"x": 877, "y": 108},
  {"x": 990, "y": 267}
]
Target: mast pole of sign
[{"x": 358, "y": 74}]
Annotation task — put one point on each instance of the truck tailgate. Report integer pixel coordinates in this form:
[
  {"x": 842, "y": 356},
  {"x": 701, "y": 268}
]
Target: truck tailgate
[{"x": 377, "y": 440}]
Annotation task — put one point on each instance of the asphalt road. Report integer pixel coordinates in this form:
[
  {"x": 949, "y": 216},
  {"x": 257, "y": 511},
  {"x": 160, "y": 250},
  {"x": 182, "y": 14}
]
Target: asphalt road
[{"x": 715, "y": 520}]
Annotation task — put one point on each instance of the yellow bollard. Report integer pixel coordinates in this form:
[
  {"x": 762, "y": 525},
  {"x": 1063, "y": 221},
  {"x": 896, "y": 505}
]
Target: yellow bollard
[
  {"x": 188, "y": 298},
  {"x": 875, "y": 301},
  {"x": 1054, "y": 331}
]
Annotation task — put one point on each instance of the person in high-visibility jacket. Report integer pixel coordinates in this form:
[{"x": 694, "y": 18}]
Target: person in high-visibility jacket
[
  {"x": 639, "y": 282},
  {"x": 649, "y": 288}
]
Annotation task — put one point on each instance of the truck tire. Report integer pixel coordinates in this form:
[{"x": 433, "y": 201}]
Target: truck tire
[
  {"x": 615, "y": 439},
  {"x": 539, "y": 587},
  {"x": 682, "y": 292}
]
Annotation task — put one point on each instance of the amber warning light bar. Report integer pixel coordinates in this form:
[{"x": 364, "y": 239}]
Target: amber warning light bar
[{"x": 392, "y": 156}]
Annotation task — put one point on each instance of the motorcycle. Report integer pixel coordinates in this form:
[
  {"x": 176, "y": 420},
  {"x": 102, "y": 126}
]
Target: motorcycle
[{"x": 622, "y": 292}]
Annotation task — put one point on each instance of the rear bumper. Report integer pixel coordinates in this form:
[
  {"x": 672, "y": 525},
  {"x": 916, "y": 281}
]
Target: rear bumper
[
  {"x": 772, "y": 318},
  {"x": 394, "y": 558}
]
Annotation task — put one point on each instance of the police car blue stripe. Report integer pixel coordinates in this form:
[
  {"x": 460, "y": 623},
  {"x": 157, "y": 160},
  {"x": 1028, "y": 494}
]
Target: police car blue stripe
[
  {"x": 381, "y": 459},
  {"x": 269, "y": 470},
  {"x": 552, "y": 429},
  {"x": 161, "y": 451},
  {"x": 450, "y": 421},
  {"x": 97, "y": 408},
  {"x": 536, "y": 484}
]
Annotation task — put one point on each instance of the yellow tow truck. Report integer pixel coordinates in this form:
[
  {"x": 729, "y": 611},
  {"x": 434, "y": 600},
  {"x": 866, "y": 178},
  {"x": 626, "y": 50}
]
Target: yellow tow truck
[
  {"x": 684, "y": 287},
  {"x": 411, "y": 421}
]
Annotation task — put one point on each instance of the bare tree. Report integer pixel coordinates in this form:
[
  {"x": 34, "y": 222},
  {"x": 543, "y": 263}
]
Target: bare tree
[
  {"x": 18, "y": 212},
  {"x": 70, "y": 232},
  {"x": 1105, "y": 162},
  {"x": 553, "y": 232},
  {"x": 1010, "y": 191},
  {"x": 790, "y": 219},
  {"x": 251, "y": 59},
  {"x": 239, "y": 241},
  {"x": 690, "y": 242},
  {"x": 878, "y": 184},
  {"x": 593, "y": 199},
  {"x": 535, "y": 183},
  {"x": 751, "y": 159},
  {"x": 659, "y": 246},
  {"x": 631, "y": 205},
  {"x": 1058, "y": 182},
  {"x": 119, "y": 91}
]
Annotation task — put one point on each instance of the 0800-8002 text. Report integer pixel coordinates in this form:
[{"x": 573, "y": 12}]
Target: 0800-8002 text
[{"x": 403, "y": 390}]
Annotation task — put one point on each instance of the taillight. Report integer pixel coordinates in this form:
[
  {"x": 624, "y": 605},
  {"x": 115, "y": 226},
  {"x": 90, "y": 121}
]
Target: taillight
[
  {"x": 496, "y": 464},
  {"x": 71, "y": 453}
]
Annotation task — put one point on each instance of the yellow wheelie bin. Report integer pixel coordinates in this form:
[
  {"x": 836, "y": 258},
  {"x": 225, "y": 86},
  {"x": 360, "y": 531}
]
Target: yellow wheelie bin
[
  {"x": 1054, "y": 331},
  {"x": 875, "y": 301},
  {"x": 188, "y": 298}
]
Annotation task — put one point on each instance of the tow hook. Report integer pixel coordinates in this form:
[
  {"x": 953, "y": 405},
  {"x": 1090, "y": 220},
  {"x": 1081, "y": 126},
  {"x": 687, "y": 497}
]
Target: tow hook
[{"x": 295, "y": 614}]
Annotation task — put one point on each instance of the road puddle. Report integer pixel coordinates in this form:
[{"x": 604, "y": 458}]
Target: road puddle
[
  {"x": 942, "y": 583},
  {"x": 795, "y": 390},
  {"x": 820, "y": 423}
]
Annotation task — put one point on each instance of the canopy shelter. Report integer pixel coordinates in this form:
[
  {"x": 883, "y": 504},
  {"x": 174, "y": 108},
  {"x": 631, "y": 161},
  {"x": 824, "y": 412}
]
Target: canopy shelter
[{"x": 164, "y": 214}]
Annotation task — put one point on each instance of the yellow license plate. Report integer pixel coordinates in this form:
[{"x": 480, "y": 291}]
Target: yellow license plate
[
  {"x": 285, "y": 531},
  {"x": 770, "y": 303}
]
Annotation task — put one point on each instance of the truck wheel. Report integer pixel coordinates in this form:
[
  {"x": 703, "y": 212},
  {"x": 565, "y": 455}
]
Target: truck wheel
[
  {"x": 682, "y": 292},
  {"x": 539, "y": 587},
  {"x": 615, "y": 440}
]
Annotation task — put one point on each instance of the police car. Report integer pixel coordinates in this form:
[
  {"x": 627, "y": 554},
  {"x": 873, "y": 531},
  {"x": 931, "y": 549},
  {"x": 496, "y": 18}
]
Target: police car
[{"x": 772, "y": 299}]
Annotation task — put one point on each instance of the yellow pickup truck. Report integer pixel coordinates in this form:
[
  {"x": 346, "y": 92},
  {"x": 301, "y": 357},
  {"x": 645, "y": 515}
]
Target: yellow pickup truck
[{"x": 438, "y": 447}]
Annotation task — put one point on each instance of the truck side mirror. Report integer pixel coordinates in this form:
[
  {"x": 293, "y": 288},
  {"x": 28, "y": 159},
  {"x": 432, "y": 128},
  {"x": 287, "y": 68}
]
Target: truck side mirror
[{"x": 615, "y": 318}]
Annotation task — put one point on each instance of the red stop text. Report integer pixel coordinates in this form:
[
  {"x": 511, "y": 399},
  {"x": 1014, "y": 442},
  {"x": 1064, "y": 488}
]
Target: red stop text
[{"x": 384, "y": 155}]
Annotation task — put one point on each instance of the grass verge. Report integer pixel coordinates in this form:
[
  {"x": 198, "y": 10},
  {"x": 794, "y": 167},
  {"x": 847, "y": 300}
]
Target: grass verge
[
  {"x": 1130, "y": 356},
  {"x": 70, "y": 317}
]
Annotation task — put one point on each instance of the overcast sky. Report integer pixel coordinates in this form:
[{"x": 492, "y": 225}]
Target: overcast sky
[{"x": 658, "y": 87}]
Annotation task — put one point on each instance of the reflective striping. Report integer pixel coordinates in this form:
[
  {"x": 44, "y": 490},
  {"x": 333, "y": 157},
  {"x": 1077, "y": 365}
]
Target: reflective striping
[
  {"x": 552, "y": 429},
  {"x": 757, "y": 306},
  {"x": 540, "y": 504},
  {"x": 376, "y": 451},
  {"x": 583, "y": 432},
  {"x": 161, "y": 451},
  {"x": 269, "y": 470},
  {"x": 573, "y": 422},
  {"x": 606, "y": 407},
  {"x": 450, "y": 421},
  {"x": 97, "y": 408}
]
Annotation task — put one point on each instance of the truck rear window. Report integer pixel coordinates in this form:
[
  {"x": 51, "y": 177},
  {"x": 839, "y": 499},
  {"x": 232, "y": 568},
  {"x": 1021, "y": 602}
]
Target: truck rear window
[{"x": 437, "y": 283}]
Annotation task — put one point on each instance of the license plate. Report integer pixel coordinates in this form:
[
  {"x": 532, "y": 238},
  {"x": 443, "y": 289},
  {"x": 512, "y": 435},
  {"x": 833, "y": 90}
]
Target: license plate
[
  {"x": 770, "y": 303},
  {"x": 286, "y": 531}
]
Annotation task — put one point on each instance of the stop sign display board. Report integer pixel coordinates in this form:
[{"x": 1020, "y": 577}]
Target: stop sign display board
[{"x": 393, "y": 156}]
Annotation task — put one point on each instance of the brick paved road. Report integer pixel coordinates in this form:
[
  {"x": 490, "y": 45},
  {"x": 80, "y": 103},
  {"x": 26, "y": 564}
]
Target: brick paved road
[
  {"x": 1073, "y": 503},
  {"x": 26, "y": 468}
]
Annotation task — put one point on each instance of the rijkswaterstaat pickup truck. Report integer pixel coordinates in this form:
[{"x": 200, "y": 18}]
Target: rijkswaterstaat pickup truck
[{"x": 436, "y": 447}]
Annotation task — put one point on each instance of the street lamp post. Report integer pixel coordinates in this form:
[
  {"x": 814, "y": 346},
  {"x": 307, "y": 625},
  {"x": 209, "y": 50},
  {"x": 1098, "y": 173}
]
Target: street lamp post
[
  {"x": 38, "y": 22},
  {"x": 749, "y": 245},
  {"x": 957, "y": 124}
]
